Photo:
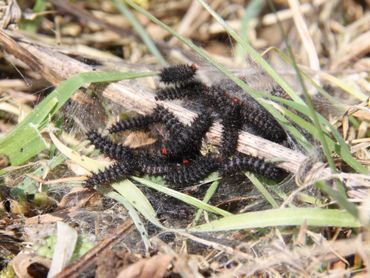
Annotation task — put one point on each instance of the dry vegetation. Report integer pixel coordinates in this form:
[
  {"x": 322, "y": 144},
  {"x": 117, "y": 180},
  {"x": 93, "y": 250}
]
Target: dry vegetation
[{"x": 45, "y": 208}]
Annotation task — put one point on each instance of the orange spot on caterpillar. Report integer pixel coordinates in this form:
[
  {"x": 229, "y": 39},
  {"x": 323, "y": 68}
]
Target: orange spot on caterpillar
[{"x": 164, "y": 151}]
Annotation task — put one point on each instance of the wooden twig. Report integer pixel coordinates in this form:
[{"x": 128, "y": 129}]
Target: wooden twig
[
  {"x": 88, "y": 261},
  {"x": 135, "y": 95},
  {"x": 84, "y": 15}
]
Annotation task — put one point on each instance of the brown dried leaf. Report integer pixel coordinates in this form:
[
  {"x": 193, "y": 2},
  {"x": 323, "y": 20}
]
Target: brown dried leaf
[
  {"x": 154, "y": 267},
  {"x": 79, "y": 197},
  {"x": 25, "y": 264}
]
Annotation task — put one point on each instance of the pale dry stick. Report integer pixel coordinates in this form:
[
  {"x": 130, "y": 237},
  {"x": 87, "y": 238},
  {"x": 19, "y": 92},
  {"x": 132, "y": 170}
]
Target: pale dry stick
[
  {"x": 132, "y": 94},
  {"x": 269, "y": 19},
  {"x": 12, "y": 84},
  {"x": 301, "y": 254},
  {"x": 88, "y": 260},
  {"x": 356, "y": 28},
  {"x": 56, "y": 181},
  {"x": 190, "y": 16},
  {"x": 306, "y": 39},
  {"x": 358, "y": 48},
  {"x": 361, "y": 179},
  {"x": 221, "y": 247},
  {"x": 194, "y": 18}
]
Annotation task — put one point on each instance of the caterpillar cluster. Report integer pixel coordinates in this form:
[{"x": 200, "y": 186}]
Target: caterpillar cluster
[{"x": 178, "y": 159}]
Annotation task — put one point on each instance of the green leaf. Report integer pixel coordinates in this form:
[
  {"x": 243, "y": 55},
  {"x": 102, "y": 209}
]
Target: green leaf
[
  {"x": 137, "y": 199},
  {"x": 23, "y": 145},
  {"x": 134, "y": 216},
  {"x": 281, "y": 217},
  {"x": 42, "y": 113},
  {"x": 210, "y": 192},
  {"x": 262, "y": 189},
  {"x": 252, "y": 10},
  {"x": 182, "y": 197}
]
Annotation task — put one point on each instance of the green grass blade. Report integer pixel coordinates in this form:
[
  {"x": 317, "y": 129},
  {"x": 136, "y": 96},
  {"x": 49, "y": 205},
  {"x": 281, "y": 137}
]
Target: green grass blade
[
  {"x": 313, "y": 114},
  {"x": 43, "y": 112},
  {"x": 21, "y": 146},
  {"x": 134, "y": 216},
  {"x": 182, "y": 197},
  {"x": 342, "y": 149},
  {"x": 281, "y": 217},
  {"x": 262, "y": 189},
  {"x": 340, "y": 197},
  {"x": 121, "y": 6},
  {"x": 330, "y": 98},
  {"x": 210, "y": 192},
  {"x": 137, "y": 199},
  {"x": 252, "y": 10},
  {"x": 254, "y": 54}
]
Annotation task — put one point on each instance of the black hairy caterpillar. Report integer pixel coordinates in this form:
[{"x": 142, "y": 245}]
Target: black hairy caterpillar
[
  {"x": 190, "y": 89},
  {"x": 168, "y": 119},
  {"x": 116, "y": 172},
  {"x": 139, "y": 122},
  {"x": 110, "y": 149},
  {"x": 187, "y": 142},
  {"x": 264, "y": 124},
  {"x": 178, "y": 73},
  {"x": 250, "y": 163},
  {"x": 196, "y": 171},
  {"x": 232, "y": 124},
  {"x": 178, "y": 158},
  {"x": 221, "y": 102}
]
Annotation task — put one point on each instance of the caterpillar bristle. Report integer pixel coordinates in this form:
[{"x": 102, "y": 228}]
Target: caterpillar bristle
[
  {"x": 190, "y": 89},
  {"x": 187, "y": 142},
  {"x": 250, "y": 163},
  {"x": 178, "y": 73},
  {"x": 168, "y": 119},
  {"x": 155, "y": 168},
  {"x": 263, "y": 123},
  {"x": 116, "y": 172},
  {"x": 232, "y": 124},
  {"x": 106, "y": 146},
  {"x": 136, "y": 123},
  {"x": 229, "y": 141},
  {"x": 194, "y": 172}
]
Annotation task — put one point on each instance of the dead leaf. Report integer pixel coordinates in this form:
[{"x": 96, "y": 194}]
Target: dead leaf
[
  {"x": 25, "y": 264},
  {"x": 155, "y": 267},
  {"x": 79, "y": 197}
]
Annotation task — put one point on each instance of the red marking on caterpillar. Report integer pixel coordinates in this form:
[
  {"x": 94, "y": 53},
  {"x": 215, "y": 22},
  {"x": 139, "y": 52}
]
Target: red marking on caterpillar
[
  {"x": 235, "y": 101},
  {"x": 185, "y": 162},
  {"x": 164, "y": 151},
  {"x": 194, "y": 67}
]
